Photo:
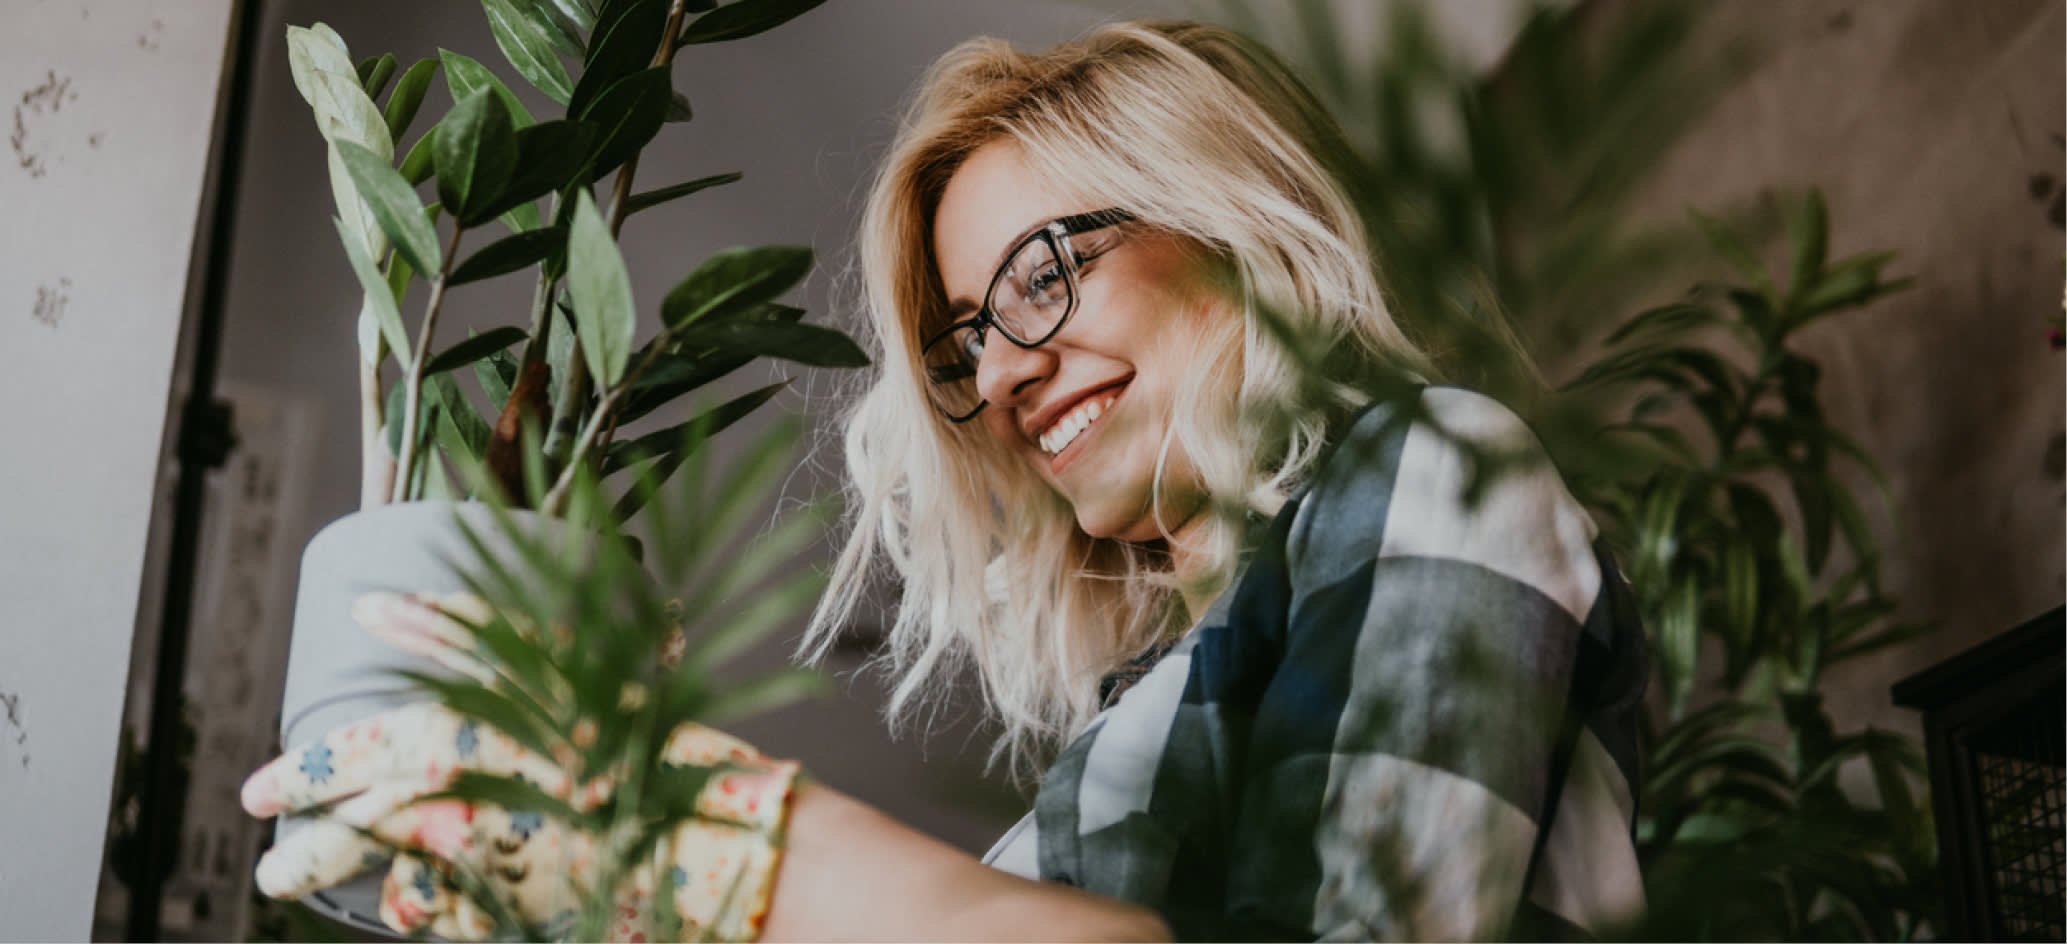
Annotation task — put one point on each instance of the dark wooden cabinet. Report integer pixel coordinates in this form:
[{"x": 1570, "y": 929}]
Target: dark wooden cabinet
[{"x": 1995, "y": 729}]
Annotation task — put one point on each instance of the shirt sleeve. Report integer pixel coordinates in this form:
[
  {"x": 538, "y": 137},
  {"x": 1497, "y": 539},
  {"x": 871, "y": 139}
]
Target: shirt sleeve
[{"x": 1425, "y": 609}]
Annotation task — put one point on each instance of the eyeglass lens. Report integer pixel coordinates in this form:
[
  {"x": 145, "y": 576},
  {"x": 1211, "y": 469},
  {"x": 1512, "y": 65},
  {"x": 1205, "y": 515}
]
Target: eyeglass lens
[{"x": 1027, "y": 301}]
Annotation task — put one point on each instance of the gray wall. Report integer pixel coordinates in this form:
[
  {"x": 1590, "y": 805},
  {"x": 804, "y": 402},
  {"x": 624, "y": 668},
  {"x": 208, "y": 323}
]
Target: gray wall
[
  {"x": 109, "y": 105},
  {"x": 1933, "y": 128}
]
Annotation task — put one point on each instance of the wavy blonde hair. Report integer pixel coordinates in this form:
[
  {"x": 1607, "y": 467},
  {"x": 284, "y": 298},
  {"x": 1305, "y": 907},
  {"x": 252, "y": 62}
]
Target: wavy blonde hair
[{"x": 1198, "y": 132}]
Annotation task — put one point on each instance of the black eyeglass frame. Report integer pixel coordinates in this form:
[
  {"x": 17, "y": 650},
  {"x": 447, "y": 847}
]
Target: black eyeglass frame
[{"x": 1056, "y": 233}]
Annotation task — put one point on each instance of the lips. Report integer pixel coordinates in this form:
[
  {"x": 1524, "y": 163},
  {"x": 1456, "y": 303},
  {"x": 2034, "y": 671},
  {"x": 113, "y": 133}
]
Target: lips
[{"x": 1065, "y": 424}]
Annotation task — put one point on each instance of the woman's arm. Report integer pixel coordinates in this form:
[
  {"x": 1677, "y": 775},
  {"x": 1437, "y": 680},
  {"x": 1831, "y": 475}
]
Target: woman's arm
[{"x": 850, "y": 872}]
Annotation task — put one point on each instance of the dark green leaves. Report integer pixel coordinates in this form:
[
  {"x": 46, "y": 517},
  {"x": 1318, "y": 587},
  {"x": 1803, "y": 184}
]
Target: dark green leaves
[
  {"x": 509, "y": 254},
  {"x": 744, "y": 18},
  {"x": 408, "y": 97},
  {"x": 394, "y": 206},
  {"x": 808, "y": 344},
  {"x": 374, "y": 73},
  {"x": 735, "y": 280},
  {"x": 464, "y": 76},
  {"x": 476, "y": 152},
  {"x": 653, "y": 198},
  {"x": 549, "y": 155},
  {"x": 474, "y": 348},
  {"x": 529, "y": 41},
  {"x": 625, "y": 42},
  {"x": 628, "y": 114}
]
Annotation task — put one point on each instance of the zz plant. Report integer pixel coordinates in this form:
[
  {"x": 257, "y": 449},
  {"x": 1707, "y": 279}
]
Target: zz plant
[
  {"x": 512, "y": 193},
  {"x": 575, "y": 367}
]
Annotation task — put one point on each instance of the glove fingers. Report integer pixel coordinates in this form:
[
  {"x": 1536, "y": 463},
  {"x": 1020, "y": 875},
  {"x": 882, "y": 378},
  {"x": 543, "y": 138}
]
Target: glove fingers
[
  {"x": 419, "y": 624},
  {"x": 347, "y": 760},
  {"x": 329, "y": 849},
  {"x": 413, "y": 896},
  {"x": 466, "y": 921}
]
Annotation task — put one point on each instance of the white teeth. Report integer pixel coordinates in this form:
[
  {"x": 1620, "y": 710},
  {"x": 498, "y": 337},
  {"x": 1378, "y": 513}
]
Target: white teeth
[{"x": 1068, "y": 428}]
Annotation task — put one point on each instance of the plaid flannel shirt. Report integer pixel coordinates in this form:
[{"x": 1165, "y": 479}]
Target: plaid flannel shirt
[{"x": 1411, "y": 717}]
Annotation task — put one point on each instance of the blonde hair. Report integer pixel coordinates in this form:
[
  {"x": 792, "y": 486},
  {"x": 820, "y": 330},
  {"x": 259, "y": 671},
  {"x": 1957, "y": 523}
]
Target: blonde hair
[{"x": 1198, "y": 132}]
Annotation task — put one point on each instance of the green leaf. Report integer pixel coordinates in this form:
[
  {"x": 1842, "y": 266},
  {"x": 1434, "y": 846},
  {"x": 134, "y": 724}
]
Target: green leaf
[
  {"x": 629, "y": 114},
  {"x": 601, "y": 290},
  {"x": 496, "y": 373},
  {"x": 803, "y": 343},
  {"x": 734, "y": 280},
  {"x": 1811, "y": 238},
  {"x": 476, "y": 152},
  {"x": 473, "y": 349},
  {"x": 417, "y": 165},
  {"x": 375, "y": 72},
  {"x": 1849, "y": 282},
  {"x": 509, "y": 254},
  {"x": 1666, "y": 319},
  {"x": 653, "y": 198},
  {"x": 564, "y": 21},
  {"x": 625, "y": 41},
  {"x": 408, "y": 97},
  {"x": 770, "y": 691},
  {"x": 1733, "y": 249},
  {"x": 453, "y": 408},
  {"x": 527, "y": 40},
  {"x": 510, "y": 793},
  {"x": 464, "y": 76},
  {"x": 744, "y": 18},
  {"x": 672, "y": 441},
  {"x": 549, "y": 156},
  {"x": 380, "y": 300},
  {"x": 1740, "y": 592},
  {"x": 395, "y": 206},
  {"x": 1679, "y": 640}
]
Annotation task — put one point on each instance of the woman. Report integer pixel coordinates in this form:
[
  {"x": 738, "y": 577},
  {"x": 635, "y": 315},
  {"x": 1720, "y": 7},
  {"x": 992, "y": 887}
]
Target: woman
[{"x": 1148, "y": 452}]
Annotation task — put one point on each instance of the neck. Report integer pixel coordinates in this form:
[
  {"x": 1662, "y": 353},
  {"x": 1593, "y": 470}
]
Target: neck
[{"x": 1197, "y": 581}]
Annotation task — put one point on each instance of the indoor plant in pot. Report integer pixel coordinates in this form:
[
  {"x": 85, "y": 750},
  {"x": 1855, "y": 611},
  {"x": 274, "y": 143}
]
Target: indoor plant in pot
[{"x": 552, "y": 196}]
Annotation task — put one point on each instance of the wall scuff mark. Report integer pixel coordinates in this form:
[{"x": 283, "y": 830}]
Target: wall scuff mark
[
  {"x": 51, "y": 302},
  {"x": 45, "y": 99},
  {"x": 12, "y": 704}
]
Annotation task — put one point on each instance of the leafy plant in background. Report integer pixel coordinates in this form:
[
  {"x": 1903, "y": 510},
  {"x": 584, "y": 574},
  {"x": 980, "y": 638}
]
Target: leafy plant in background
[
  {"x": 1500, "y": 214},
  {"x": 578, "y": 372},
  {"x": 1747, "y": 547}
]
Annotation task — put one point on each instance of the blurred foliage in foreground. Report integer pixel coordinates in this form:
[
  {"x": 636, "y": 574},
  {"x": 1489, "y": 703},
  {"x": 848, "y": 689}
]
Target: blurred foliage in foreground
[{"x": 1501, "y": 214}]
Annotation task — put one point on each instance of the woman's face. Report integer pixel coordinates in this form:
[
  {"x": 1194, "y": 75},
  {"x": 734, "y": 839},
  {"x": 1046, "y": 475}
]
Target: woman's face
[{"x": 1110, "y": 375}]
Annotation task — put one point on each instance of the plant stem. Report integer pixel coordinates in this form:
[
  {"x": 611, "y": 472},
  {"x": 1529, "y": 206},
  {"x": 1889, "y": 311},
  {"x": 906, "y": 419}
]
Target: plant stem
[
  {"x": 376, "y": 464},
  {"x": 412, "y": 396}
]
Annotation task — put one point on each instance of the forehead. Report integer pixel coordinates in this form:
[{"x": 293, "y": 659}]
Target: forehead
[{"x": 993, "y": 199}]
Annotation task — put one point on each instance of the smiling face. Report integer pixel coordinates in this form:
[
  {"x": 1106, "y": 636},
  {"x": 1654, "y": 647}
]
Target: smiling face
[{"x": 1089, "y": 409}]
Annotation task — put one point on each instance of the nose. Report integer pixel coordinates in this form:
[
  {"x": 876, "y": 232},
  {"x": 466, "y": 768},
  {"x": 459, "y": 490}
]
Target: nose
[{"x": 1007, "y": 373}]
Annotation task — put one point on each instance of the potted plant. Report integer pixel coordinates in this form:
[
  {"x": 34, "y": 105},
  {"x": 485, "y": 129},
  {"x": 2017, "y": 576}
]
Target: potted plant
[{"x": 444, "y": 483}]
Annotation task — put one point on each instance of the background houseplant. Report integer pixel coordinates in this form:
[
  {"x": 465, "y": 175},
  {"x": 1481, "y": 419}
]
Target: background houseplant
[{"x": 558, "y": 388}]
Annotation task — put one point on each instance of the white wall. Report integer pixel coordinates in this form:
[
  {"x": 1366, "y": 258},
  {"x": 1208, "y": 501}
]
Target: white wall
[{"x": 111, "y": 103}]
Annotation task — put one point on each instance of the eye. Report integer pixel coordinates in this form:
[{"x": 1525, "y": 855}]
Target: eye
[
  {"x": 972, "y": 344},
  {"x": 1044, "y": 285}
]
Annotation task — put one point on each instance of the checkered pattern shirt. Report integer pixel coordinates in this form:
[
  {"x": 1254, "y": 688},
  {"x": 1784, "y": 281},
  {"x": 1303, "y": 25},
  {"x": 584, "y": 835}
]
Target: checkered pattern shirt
[{"x": 1411, "y": 717}]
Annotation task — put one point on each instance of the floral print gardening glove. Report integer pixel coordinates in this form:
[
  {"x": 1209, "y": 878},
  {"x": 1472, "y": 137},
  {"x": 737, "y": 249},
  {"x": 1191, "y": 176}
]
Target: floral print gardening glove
[{"x": 362, "y": 784}]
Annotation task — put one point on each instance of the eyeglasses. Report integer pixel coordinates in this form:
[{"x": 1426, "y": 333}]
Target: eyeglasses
[{"x": 1033, "y": 293}]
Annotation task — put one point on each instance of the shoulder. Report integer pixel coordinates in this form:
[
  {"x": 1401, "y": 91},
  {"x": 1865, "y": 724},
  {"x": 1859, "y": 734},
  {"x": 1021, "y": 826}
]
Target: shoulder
[{"x": 1451, "y": 475}]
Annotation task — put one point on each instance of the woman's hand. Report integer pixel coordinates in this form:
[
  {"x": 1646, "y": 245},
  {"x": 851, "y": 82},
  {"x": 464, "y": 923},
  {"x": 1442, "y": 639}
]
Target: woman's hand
[{"x": 369, "y": 789}]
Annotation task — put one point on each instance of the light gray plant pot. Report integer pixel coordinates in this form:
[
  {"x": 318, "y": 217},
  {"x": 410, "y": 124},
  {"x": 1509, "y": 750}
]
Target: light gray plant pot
[{"x": 337, "y": 672}]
